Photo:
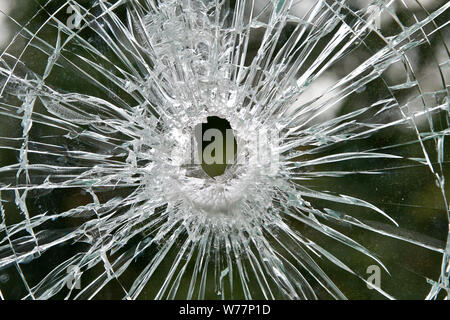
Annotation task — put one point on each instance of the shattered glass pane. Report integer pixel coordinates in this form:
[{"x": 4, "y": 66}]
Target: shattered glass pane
[{"x": 338, "y": 187}]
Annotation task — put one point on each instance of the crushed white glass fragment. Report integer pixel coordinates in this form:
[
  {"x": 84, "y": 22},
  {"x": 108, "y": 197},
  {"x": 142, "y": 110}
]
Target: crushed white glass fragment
[{"x": 340, "y": 111}]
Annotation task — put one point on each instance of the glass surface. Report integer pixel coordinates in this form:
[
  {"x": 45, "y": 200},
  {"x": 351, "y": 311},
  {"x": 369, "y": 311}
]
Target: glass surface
[{"x": 337, "y": 186}]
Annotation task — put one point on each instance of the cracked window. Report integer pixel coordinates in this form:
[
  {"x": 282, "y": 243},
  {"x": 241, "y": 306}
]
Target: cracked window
[{"x": 320, "y": 171}]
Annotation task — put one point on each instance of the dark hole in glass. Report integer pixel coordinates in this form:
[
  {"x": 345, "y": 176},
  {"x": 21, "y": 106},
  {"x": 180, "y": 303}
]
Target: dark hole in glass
[{"x": 218, "y": 145}]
